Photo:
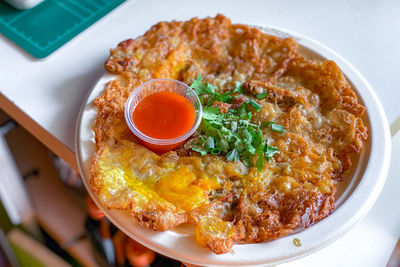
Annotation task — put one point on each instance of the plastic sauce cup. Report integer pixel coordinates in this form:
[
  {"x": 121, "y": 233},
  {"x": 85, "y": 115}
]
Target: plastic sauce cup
[{"x": 162, "y": 85}]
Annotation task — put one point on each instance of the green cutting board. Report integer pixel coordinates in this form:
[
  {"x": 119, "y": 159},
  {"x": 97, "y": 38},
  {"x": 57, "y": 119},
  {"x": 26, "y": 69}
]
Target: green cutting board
[{"x": 43, "y": 29}]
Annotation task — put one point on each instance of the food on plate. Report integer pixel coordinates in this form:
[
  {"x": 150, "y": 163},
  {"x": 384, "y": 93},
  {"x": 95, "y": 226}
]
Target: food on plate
[{"x": 277, "y": 134}]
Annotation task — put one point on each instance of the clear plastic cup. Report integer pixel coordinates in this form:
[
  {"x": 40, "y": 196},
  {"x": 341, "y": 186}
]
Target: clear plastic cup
[{"x": 162, "y": 85}]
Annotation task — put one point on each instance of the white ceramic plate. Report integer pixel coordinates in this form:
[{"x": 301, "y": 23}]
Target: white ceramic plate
[{"x": 355, "y": 196}]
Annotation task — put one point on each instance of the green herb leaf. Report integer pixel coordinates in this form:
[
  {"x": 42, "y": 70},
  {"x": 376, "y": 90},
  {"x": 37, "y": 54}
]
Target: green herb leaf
[
  {"x": 202, "y": 89},
  {"x": 232, "y": 134},
  {"x": 210, "y": 88},
  {"x": 262, "y": 95},
  {"x": 201, "y": 150},
  {"x": 226, "y": 97},
  {"x": 211, "y": 114}
]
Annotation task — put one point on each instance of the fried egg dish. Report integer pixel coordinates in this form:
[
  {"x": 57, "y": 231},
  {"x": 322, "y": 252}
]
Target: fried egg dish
[{"x": 229, "y": 199}]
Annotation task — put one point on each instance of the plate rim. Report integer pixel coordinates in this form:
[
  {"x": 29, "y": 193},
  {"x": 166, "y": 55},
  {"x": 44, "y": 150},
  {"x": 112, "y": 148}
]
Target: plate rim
[{"x": 367, "y": 192}]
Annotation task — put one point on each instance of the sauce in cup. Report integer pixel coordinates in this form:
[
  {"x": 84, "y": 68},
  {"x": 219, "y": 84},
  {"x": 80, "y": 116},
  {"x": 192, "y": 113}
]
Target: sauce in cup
[{"x": 163, "y": 114}]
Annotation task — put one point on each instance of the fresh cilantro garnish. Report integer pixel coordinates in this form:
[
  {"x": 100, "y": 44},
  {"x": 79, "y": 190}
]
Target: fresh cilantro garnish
[
  {"x": 212, "y": 114},
  {"x": 202, "y": 89},
  {"x": 199, "y": 149},
  {"x": 232, "y": 134},
  {"x": 208, "y": 93}
]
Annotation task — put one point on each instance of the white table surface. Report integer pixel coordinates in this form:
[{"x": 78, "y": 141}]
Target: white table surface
[{"x": 45, "y": 95}]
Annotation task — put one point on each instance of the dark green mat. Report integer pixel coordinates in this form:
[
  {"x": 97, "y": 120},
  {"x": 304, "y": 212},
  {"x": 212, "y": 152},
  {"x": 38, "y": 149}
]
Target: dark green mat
[{"x": 43, "y": 29}]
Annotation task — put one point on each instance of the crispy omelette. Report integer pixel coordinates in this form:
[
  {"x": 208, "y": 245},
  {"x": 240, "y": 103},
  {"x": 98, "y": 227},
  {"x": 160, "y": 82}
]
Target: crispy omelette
[{"x": 229, "y": 201}]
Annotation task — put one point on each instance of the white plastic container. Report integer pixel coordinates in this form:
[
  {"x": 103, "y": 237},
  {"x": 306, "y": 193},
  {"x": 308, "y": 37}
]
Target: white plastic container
[{"x": 162, "y": 85}]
